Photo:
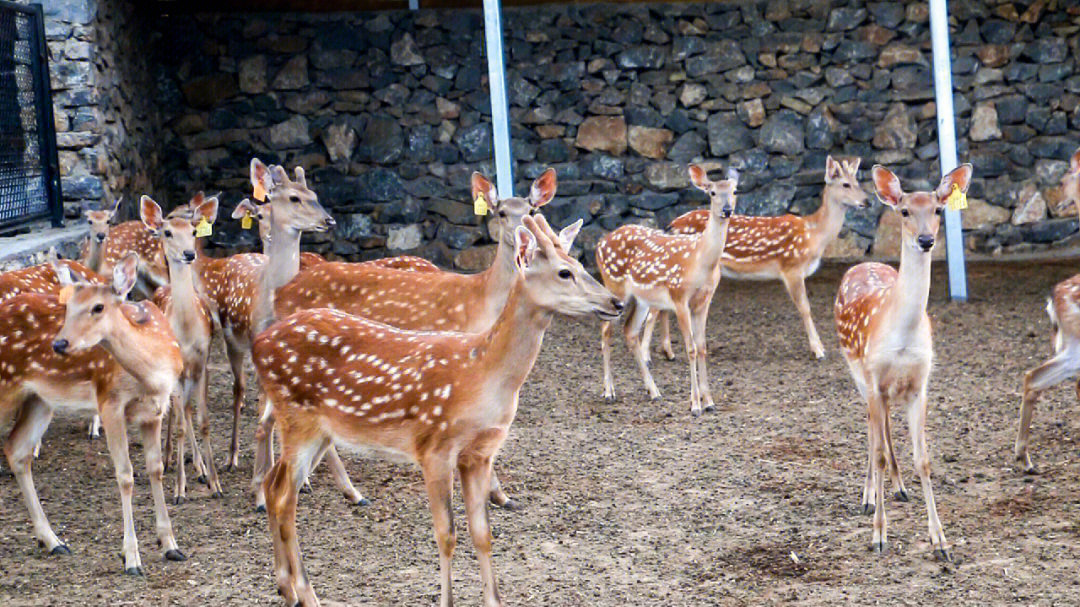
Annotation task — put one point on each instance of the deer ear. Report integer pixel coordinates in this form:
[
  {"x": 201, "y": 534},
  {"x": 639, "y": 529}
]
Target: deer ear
[
  {"x": 150, "y": 213},
  {"x": 300, "y": 178},
  {"x": 887, "y": 186},
  {"x": 1074, "y": 162},
  {"x": 482, "y": 187},
  {"x": 115, "y": 206},
  {"x": 124, "y": 274},
  {"x": 855, "y": 162},
  {"x": 543, "y": 189},
  {"x": 260, "y": 176},
  {"x": 207, "y": 210},
  {"x": 699, "y": 177},
  {"x": 732, "y": 175},
  {"x": 246, "y": 207},
  {"x": 569, "y": 233},
  {"x": 832, "y": 169},
  {"x": 959, "y": 177},
  {"x": 278, "y": 175},
  {"x": 525, "y": 244},
  {"x": 63, "y": 273}
]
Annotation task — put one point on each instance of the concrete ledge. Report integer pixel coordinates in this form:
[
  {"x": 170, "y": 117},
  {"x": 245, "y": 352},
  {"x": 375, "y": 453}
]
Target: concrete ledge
[{"x": 41, "y": 244}]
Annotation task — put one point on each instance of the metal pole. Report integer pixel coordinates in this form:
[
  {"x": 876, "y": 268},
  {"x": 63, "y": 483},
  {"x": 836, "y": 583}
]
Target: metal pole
[
  {"x": 943, "y": 92},
  {"x": 500, "y": 115},
  {"x": 414, "y": 5},
  {"x": 45, "y": 120}
]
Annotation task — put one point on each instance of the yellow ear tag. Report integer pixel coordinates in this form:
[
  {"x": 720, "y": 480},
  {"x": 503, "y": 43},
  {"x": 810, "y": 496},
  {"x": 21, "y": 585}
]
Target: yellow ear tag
[
  {"x": 245, "y": 221},
  {"x": 65, "y": 294},
  {"x": 259, "y": 193},
  {"x": 957, "y": 200},
  {"x": 203, "y": 228},
  {"x": 480, "y": 206}
]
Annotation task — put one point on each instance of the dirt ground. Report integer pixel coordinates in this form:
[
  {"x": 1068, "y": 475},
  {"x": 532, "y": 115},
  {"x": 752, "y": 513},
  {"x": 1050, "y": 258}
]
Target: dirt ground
[{"x": 637, "y": 503}]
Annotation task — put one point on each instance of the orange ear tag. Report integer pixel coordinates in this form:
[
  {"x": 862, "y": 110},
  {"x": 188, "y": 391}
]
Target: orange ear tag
[
  {"x": 65, "y": 294},
  {"x": 245, "y": 221},
  {"x": 957, "y": 200},
  {"x": 203, "y": 228},
  {"x": 480, "y": 206},
  {"x": 259, "y": 193}
]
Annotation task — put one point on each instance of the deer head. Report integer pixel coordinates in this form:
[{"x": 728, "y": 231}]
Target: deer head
[
  {"x": 92, "y": 309},
  {"x": 553, "y": 280},
  {"x": 841, "y": 179},
  {"x": 259, "y": 212},
  {"x": 99, "y": 219},
  {"x": 177, "y": 234},
  {"x": 507, "y": 212},
  {"x": 295, "y": 206},
  {"x": 920, "y": 212},
  {"x": 721, "y": 193}
]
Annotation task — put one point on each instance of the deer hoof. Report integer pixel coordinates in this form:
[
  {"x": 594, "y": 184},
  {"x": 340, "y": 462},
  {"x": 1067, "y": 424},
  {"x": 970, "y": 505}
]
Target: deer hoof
[
  {"x": 134, "y": 571},
  {"x": 868, "y": 509},
  {"x": 201, "y": 479},
  {"x": 60, "y": 550},
  {"x": 878, "y": 547},
  {"x": 942, "y": 555},
  {"x": 1032, "y": 470},
  {"x": 260, "y": 509},
  {"x": 363, "y": 501},
  {"x": 179, "y": 500},
  {"x": 710, "y": 408},
  {"x": 174, "y": 555},
  {"x": 609, "y": 398},
  {"x": 902, "y": 496},
  {"x": 217, "y": 495},
  {"x": 511, "y": 505},
  {"x": 305, "y": 488},
  {"x": 695, "y": 412}
]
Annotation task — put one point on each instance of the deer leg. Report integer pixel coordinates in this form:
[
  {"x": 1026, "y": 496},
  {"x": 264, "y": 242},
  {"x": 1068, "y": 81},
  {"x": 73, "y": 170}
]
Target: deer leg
[
  {"x": 796, "y": 288},
  {"x": 151, "y": 435},
  {"x": 665, "y": 335},
  {"x": 682, "y": 315},
  {"x": 868, "y": 499},
  {"x": 475, "y": 485},
  {"x": 95, "y": 427},
  {"x": 31, "y": 423},
  {"x": 169, "y": 444},
  {"x": 112, "y": 421},
  {"x": 878, "y": 412},
  {"x": 698, "y": 318},
  {"x": 235, "y": 355},
  {"x": 920, "y": 451},
  {"x": 499, "y": 497},
  {"x": 605, "y": 349},
  {"x": 341, "y": 478},
  {"x": 203, "y": 417},
  {"x": 1060, "y": 367},
  {"x": 632, "y": 333},
  {"x": 894, "y": 465},
  {"x": 276, "y": 488},
  {"x": 298, "y": 464},
  {"x": 180, "y": 487},
  {"x": 264, "y": 453},
  {"x": 439, "y": 480},
  {"x": 646, "y": 336}
]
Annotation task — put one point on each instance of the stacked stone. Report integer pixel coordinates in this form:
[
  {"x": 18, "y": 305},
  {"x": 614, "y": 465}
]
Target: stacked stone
[{"x": 389, "y": 112}]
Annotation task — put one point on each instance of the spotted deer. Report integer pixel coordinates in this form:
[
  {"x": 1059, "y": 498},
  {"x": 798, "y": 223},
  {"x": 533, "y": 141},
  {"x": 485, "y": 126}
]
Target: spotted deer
[
  {"x": 50, "y": 361},
  {"x": 444, "y": 400},
  {"x": 261, "y": 213},
  {"x": 93, "y": 249},
  {"x": 132, "y": 236},
  {"x": 1064, "y": 310},
  {"x": 886, "y": 339},
  {"x": 192, "y": 325},
  {"x": 430, "y": 300},
  {"x": 787, "y": 248},
  {"x": 653, "y": 270}
]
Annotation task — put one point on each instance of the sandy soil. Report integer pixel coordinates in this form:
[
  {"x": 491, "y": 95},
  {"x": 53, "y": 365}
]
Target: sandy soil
[{"x": 637, "y": 503}]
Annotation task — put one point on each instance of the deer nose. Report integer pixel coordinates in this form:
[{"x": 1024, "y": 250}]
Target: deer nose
[
  {"x": 189, "y": 256},
  {"x": 330, "y": 223},
  {"x": 726, "y": 211},
  {"x": 926, "y": 241},
  {"x": 618, "y": 305},
  {"x": 100, "y": 237},
  {"x": 60, "y": 346}
]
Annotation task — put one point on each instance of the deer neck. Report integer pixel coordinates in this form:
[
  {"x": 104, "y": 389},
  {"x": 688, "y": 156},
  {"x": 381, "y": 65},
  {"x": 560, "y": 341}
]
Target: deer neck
[
  {"x": 710, "y": 245},
  {"x": 95, "y": 253},
  {"x": 139, "y": 353},
  {"x": 825, "y": 223},
  {"x": 497, "y": 281},
  {"x": 513, "y": 342},
  {"x": 185, "y": 299},
  {"x": 282, "y": 265},
  {"x": 912, "y": 289}
]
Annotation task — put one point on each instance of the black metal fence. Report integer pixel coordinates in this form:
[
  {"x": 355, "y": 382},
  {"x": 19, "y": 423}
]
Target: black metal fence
[{"x": 29, "y": 170}]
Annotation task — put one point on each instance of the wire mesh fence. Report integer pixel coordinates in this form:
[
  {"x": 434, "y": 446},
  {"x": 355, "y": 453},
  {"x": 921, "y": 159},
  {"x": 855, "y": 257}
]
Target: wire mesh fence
[{"x": 29, "y": 180}]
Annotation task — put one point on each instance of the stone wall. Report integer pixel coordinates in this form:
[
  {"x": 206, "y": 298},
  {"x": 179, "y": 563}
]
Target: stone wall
[
  {"x": 103, "y": 97},
  {"x": 389, "y": 113}
]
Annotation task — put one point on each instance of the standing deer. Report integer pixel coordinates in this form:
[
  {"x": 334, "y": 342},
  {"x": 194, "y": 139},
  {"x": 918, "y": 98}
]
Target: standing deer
[
  {"x": 788, "y": 247},
  {"x": 653, "y": 270},
  {"x": 94, "y": 247},
  {"x": 444, "y": 400},
  {"x": 49, "y": 361},
  {"x": 885, "y": 338},
  {"x": 1064, "y": 310},
  {"x": 430, "y": 300},
  {"x": 193, "y": 327},
  {"x": 132, "y": 236}
]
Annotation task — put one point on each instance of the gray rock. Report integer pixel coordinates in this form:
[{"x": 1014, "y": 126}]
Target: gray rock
[
  {"x": 453, "y": 211},
  {"x": 379, "y": 185},
  {"x": 354, "y": 226},
  {"x": 685, "y": 47},
  {"x": 340, "y": 141},
  {"x": 667, "y": 176},
  {"x": 689, "y": 146},
  {"x": 252, "y": 74},
  {"x": 403, "y": 52},
  {"x": 641, "y": 57},
  {"x": 843, "y": 19},
  {"x": 291, "y": 133},
  {"x": 1047, "y": 50},
  {"x": 458, "y": 236},
  {"x": 404, "y": 238},
  {"x": 782, "y": 133},
  {"x": 381, "y": 141},
  {"x": 209, "y": 91},
  {"x": 853, "y": 50},
  {"x": 887, "y": 14},
  {"x": 293, "y": 76},
  {"x": 82, "y": 187},
  {"x": 474, "y": 142},
  {"x": 838, "y": 76},
  {"x": 727, "y": 134},
  {"x": 897, "y": 130},
  {"x": 721, "y": 57},
  {"x": 819, "y": 130},
  {"x": 603, "y": 166}
]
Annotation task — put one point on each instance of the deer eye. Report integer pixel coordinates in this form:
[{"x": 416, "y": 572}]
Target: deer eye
[
  {"x": 532, "y": 211},
  {"x": 97, "y": 309},
  {"x": 940, "y": 211},
  {"x": 294, "y": 198},
  {"x": 847, "y": 185},
  {"x": 194, "y": 233},
  {"x": 259, "y": 216},
  {"x": 502, "y": 213},
  {"x": 168, "y": 233},
  {"x": 565, "y": 274},
  {"x": 904, "y": 212}
]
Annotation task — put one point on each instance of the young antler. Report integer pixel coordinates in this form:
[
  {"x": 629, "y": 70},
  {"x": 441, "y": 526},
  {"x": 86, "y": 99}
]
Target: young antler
[
  {"x": 445, "y": 400},
  {"x": 652, "y": 270},
  {"x": 886, "y": 340}
]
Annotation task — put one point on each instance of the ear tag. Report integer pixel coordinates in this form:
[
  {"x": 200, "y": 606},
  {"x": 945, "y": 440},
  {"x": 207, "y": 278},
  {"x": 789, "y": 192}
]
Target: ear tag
[
  {"x": 203, "y": 228},
  {"x": 245, "y": 221},
  {"x": 259, "y": 193},
  {"x": 957, "y": 200},
  {"x": 65, "y": 294},
  {"x": 480, "y": 206}
]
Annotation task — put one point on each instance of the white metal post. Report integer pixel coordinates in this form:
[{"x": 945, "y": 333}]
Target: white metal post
[
  {"x": 943, "y": 92},
  {"x": 500, "y": 115}
]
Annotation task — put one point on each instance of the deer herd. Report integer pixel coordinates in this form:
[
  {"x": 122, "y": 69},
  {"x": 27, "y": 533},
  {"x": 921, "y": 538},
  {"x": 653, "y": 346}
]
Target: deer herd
[{"x": 400, "y": 357}]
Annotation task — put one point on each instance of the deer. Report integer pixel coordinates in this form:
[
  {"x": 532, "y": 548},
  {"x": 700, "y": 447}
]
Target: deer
[
  {"x": 426, "y": 300},
  {"x": 94, "y": 247},
  {"x": 261, "y": 213},
  {"x": 886, "y": 339},
  {"x": 653, "y": 270},
  {"x": 1063, "y": 307},
  {"x": 787, "y": 248},
  {"x": 49, "y": 361},
  {"x": 444, "y": 400},
  {"x": 192, "y": 324},
  {"x": 132, "y": 236}
]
